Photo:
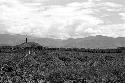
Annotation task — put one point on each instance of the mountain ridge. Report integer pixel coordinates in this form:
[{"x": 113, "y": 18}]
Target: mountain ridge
[{"x": 87, "y": 42}]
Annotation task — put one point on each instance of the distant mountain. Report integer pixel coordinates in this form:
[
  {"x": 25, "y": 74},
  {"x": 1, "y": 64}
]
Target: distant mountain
[
  {"x": 6, "y": 39},
  {"x": 88, "y": 42}
]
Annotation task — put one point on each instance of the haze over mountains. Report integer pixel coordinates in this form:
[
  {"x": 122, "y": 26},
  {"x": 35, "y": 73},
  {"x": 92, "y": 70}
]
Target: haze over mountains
[{"x": 88, "y": 42}]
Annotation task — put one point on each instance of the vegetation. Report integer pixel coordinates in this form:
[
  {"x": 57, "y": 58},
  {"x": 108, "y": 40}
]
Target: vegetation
[{"x": 61, "y": 65}]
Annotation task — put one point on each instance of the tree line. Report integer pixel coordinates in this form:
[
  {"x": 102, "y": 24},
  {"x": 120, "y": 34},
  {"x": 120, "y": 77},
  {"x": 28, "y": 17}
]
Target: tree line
[{"x": 89, "y": 50}]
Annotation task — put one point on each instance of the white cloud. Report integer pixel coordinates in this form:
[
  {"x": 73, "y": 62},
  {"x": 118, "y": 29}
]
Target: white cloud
[
  {"x": 72, "y": 20},
  {"x": 111, "y": 4},
  {"x": 122, "y": 15},
  {"x": 114, "y": 30}
]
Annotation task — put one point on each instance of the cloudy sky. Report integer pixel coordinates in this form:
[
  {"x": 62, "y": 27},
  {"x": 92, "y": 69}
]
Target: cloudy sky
[{"x": 63, "y": 18}]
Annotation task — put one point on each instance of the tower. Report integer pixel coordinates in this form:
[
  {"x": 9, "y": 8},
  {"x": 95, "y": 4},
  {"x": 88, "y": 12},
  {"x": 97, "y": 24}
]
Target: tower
[{"x": 26, "y": 40}]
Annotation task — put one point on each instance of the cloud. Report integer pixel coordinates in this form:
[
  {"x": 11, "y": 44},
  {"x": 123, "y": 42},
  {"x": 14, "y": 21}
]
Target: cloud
[
  {"x": 114, "y": 30},
  {"x": 114, "y": 5},
  {"x": 75, "y": 19},
  {"x": 122, "y": 15}
]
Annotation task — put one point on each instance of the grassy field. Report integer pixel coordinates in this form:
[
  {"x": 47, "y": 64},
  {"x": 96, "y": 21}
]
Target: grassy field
[{"x": 61, "y": 66}]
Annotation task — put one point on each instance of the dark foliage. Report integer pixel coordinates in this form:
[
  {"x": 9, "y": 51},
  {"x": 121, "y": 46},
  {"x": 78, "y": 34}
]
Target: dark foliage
[
  {"x": 58, "y": 65},
  {"x": 65, "y": 59},
  {"x": 7, "y": 69},
  {"x": 109, "y": 58}
]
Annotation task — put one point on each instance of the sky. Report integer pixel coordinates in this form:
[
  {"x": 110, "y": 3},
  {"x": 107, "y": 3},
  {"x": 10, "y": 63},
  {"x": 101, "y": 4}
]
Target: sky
[{"x": 63, "y": 19}]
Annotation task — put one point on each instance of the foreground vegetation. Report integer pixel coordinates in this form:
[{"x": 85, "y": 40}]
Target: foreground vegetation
[{"x": 60, "y": 65}]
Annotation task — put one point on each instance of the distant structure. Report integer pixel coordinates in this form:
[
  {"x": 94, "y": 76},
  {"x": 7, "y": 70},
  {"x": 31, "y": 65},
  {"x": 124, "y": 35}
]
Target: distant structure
[{"x": 26, "y": 40}]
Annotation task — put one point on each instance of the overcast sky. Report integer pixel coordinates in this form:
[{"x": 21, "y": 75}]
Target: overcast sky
[{"x": 63, "y": 18}]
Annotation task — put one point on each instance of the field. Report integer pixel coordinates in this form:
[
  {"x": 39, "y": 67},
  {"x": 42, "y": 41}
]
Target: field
[{"x": 52, "y": 65}]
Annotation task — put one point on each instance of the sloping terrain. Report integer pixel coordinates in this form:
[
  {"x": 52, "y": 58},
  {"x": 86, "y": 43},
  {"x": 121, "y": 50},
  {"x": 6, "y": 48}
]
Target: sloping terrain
[
  {"x": 28, "y": 44},
  {"x": 60, "y": 66}
]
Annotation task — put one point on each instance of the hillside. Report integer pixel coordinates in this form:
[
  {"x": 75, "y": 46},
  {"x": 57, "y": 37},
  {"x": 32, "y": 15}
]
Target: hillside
[
  {"x": 88, "y": 42},
  {"x": 60, "y": 66}
]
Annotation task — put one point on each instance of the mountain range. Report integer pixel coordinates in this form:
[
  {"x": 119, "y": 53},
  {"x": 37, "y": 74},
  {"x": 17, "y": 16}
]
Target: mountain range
[{"x": 87, "y": 42}]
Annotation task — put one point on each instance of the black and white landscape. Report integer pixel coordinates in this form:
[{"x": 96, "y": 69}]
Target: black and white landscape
[
  {"x": 87, "y": 42},
  {"x": 67, "y": 62},
  {"x": 62, "y": 41}
]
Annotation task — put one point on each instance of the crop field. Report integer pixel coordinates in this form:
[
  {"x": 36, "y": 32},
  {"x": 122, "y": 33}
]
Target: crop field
[{"x": 52, "y": 65}]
